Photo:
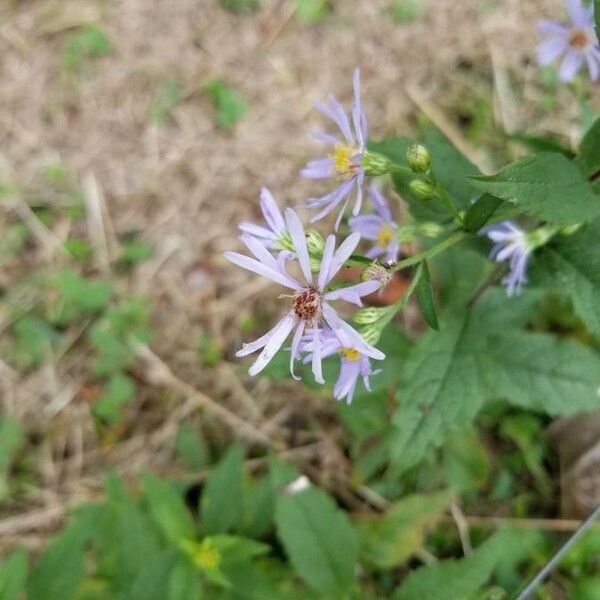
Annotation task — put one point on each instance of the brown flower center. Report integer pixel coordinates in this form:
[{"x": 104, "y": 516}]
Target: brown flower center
[
  {"x": 307, "y": 305},
  {"x": 579, "y": 39}
]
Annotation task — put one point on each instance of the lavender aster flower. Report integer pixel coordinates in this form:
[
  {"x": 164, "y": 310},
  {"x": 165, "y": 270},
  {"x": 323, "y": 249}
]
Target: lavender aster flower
[
  {"x": 577, "y": 42},
  {"x": 310, "y": 302},
  {"x": 379, "y": 228},
  {"x": 512, "y": 245},
  {"x": 353, "y": 363},
  {"x": 271, "y": 236},
  {"x": 344, "y": 163}
]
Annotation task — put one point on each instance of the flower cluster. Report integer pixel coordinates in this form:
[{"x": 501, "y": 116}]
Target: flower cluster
[
  {"x": 575, "y": 43},
  {"x": 316, "y": 329}
]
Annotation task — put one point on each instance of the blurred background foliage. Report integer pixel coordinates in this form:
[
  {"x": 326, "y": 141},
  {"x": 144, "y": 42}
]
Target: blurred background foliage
[{"x": 136, "y": 458}]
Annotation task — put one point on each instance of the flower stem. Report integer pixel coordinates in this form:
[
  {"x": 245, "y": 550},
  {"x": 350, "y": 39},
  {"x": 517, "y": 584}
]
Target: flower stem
[{"x": 450, "y": 241}]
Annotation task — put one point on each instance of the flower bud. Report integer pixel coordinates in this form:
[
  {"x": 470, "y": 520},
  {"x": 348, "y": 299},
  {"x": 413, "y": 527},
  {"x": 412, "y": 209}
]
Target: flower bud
[
  {"x": 375, "y": 164},
  {"x": 376, "y": 272},
  {"x": 429, "y": 229},
  {"x": 418, "y": 158},
  {"x": 315, "y": 242},
  {"x": 284, "y": 242},
  {"x": 422, "y": 189},
  {"x": 368, "y": 316}
]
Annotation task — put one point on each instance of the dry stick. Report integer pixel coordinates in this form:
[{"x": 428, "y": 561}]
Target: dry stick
[
  {"x": 560, "y": 525},
  {"x": 161, "y": 373},
  {"x": 463, "y": 528}
]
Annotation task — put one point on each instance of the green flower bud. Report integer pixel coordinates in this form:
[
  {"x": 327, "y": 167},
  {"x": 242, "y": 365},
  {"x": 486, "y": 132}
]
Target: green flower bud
[
  {"x": 422, "y": 189},
  {"x": 315, "y": 242},
  {"x": 371, "y": 334},
  {"x": 418, "y": 158},
  {"x": 429, "y": 229},
  {"x": 376, "y": 272},
  {"x": 284, "y": 242},
  {"x": 375, "y": 164},
  {"x": 571, "y": 229},
  {"x": 368, "y": 316}
]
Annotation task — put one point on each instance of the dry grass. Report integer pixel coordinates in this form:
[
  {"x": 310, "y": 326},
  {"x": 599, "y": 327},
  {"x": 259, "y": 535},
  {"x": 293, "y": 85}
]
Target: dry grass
[{"x": 184, "y": 184}]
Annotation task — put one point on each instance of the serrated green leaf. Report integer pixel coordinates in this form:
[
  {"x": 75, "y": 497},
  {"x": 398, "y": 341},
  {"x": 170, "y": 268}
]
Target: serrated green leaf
[
  {"x": 319, "y": 540},
  {"x": 571, "y": 265},
  {"x": 222, "y": 498},
  {"x": 589, "y": 150},
  {"x": 13, "y": 575},
  {"x": 424, "y": 295},
  {"x": 547, "y": 186},
  {"x": 482, "y": 355},
  {"x": 480, "y": 212},
  {"x": 168, "y": 510},
  {"x": 456, "y": 580},
  {"x": 390, "y": 539}
]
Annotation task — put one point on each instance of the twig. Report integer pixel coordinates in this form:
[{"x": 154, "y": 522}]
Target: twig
[
  {"x": 160, "y": 373},
  {"x": 463, "y": 528}
]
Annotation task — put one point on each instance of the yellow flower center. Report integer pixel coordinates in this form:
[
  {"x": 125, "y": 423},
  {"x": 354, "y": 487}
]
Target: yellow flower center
[
  {"x": 350, "y": 354},
  {"x": 385, "y": 235},
  {"x": 579, "y": 39},
  {"x": 342, "y": 158},
  {"x": 207, "y": 556}
]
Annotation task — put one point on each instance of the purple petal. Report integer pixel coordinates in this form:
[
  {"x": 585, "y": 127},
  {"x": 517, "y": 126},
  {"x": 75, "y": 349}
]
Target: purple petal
[
  {"x": 342, "y": 254},
  {"x": 279, "y": 334},
  {"x": 357, "y": 110},
  {"x": 549, "y": 50},
  {"x": 330, "y": 200},
  {"x": 570, "y": 66},
  {"x": 257, "y": 267},
  {"x": 294, "y": 349},
  {"x": 353, "y": 293},
  {"x": 346, "y": 383},
  {"x": 552, "y": 28},
  {"x": 326, "y": 262},
  {"x": 251, "y": 347},
  {"x": 271, "y": 211},
  {"x": 318, "y": 169},
  {"x": 580, "y": 15},
  {"x": 317, "y": 367},
  {"x": 379, "y": 203},
  {"x": 336, "y": 113},
  {"x": 593, "y": 63},
  {"x": 341, "y": 214},
  {"x": 257, "y": 231},
  {"x": 348, "y": 335},
  {"x": 367, "y": 225},
  {"x": 327, "y": 138},
  {"x": 298, "y": 236},
  {"x": 260, "y": 252},
  {"x": 359, "y": 193}
]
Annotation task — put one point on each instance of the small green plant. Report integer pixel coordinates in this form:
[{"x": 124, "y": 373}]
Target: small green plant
[
  {"x": 406, "y": 11},
  {"x": 313, "y": 11},
  {"x": 85, "y": 44},
  {"x": 230, "y": 107}
]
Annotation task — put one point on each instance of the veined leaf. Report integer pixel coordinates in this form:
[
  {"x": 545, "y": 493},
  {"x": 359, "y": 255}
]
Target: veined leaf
[
  {"x": 547, "y": 186},
  {"x": 390, "y": 539},
  {"x": 319, "y": 540},
  {"x": 589, "y": 150},
  {"x": 221, "y": 502},
  {"x": 571, "y": 265},
  {"x": 456, "y": 580}
]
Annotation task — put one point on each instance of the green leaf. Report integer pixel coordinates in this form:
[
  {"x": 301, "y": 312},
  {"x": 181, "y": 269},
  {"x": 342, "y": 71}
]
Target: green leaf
[
  {"x": 86, "y": 43},
  {"x": 589, "y": 150},
  {"x": 406, "y": 11},
  {"x": 119, "y": 391},
  {"x": 34, "y": 340},
  {"x": 230, "y": 107},
  {"x": 222, "y": 497},
  {"x": 166, "y": 98},
  {"x": 547, "y": 186},
  {"x": 482, "y": 355},
  {"x": 82, "y": 297},
  {"x": 191, "y": 447},
  {"x": 61, "y": 568},
  {"x": 11, "y": 440},
  {"x": 543, "y": 372},
  {"x": 13, "y": 575},
  {"x": 571, "y": 265},
  {"x": 390, "y": 539},
  {"x": 319, "y": 540},
  {"x": 455, "y": 580},
  {"x": 481, "y": 212},
  {"x": 184, "y": 582},
  {"x": 466, "y": 464},
  {"x": 167, "y": 510},
  {"x": 424, "y": 295},
  {"x": 313, "y": 11},
  {"x": 597, "y": 17}
]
